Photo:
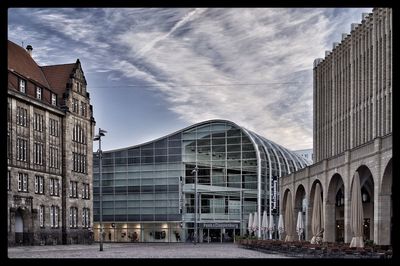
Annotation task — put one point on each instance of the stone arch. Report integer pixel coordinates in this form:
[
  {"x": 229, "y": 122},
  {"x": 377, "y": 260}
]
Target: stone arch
[
  {"x": 22, "y": 220},
  {"x": 300, "y": 203},
  {"x": 310, "y": 207},
  {"x": 334, "y": 215},
  {"x": 386, "y": 207},
  {"x": 367, "y": 195},
  {"x": 286, "y": 197}
]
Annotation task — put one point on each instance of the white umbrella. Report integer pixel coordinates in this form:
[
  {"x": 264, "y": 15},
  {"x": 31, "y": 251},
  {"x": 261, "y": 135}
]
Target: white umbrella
[
  {"x": 250, "y": 224},
  {"x": 289, "y": 220},
  {"x": 300, "y": 225},
  {"x": 357, "y": 215},
  {"x": 317, "y": 216},
  {"x": 255, "y": 223},
  {"x": 264, "y": 223},
  {"x": 271, "y": 226},
  {"x": 281, "y": 227}
]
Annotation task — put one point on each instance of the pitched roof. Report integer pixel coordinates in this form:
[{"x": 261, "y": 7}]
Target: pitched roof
[
  {"x": 21, "y": 62},
  {"x": 58, "y": 76},
  {"x": 54, "y": 77}
]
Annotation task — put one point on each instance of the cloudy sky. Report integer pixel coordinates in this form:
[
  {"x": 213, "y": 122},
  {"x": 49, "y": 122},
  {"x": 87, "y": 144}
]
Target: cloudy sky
[{"x": 153, "y": 71}]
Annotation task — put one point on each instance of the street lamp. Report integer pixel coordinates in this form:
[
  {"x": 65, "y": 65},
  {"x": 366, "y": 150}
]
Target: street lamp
[
  {"x": 98, "y": 137},
  {"x": 195, "y": 170}
]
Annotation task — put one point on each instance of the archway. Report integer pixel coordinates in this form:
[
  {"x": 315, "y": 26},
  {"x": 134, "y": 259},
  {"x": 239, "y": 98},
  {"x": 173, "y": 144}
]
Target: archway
[
  {"x": 310, "y": 206},
  {"x": 334, "y": 219},
  {"x": 286, "y": 197},
  {"x": 367, "y": 197},
  {"x": 19, "y": 227},
  {"x": 300, "y": 204},
  {"x": 386, "y": 207}
]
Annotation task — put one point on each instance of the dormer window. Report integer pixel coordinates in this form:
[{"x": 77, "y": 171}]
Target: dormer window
[
  {"x": 38, "y": 93},
  {"x": 22, "y": 85},
  {"x": 53, "y": 99}
]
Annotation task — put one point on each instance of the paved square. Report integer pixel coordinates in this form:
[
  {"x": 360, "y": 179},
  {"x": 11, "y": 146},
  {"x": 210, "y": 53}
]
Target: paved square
[{"x": 139, "y": 250}]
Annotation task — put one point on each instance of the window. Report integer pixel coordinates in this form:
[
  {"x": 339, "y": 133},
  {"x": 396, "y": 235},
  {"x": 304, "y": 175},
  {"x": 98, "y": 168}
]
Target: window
[
  {"x": 73, "y": 189},
  {"x": 22, "y": 85},
  {"x": 78, "y": 134},
  {"x": 53, "y": 99},
  {"x": 79, "y": 87},
  {"x": 83, "y": 109},
  {"x": 53, "y": 157},
  {"x": 38, "y": 153},
  {"x": 38, "y": 93},
  {"x": 9, "y": 180},
  {"x": 22, "y": 116},
  {"x": 86, "y": 217},
  {"x": 79, "y": 162},
  {"x": 39, "y": 184},
  {"x": 38, "y": 122},
  {"x": 53, "y": 127},
  {"x": 85, "y": 191},
  {"x": 22, "y": 182},
  {"x": 75, "y": 105},
  {"x": 54, "y": 211},
  {"x": 41, "y": 216},
  {"x": 73, "y": 217},
  {"x": 22, "y": 146},
  {"x": 54, "y": 187}
]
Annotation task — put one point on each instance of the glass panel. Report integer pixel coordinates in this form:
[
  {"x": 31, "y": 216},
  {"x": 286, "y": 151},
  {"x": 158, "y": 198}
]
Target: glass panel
[{"x": 161, "y": 144}]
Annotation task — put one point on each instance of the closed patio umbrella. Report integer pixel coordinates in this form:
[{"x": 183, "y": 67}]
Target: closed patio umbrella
[
  {"x": 281, "y": 227},
  {"x": 357, "y": 215},
  {"x": 271, "y": 225},
  {"x": 300, "y": 224},
  {"x": 255, "y": 223},
  {"x": 250, "y": 224},
  {"x": 264, "y": 223},
  {"x": 316, "y": 219},
  {"x": 289, "y": 220}
]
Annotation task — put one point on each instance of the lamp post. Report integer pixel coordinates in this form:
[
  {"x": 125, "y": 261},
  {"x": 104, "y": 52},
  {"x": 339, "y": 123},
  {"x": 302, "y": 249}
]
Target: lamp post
[
  {"x": 98, "y": 137},
  {"x": 195, "y": 170}
]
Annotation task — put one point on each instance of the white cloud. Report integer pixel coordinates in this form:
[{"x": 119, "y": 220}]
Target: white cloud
[{"x": 176, "y": 49}]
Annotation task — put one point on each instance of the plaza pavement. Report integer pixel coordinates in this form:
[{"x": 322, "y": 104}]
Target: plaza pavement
[{"x": 140, "y": 251}]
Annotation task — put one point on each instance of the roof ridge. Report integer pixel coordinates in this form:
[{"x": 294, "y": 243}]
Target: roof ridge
[{"x": 58, "y": 65}]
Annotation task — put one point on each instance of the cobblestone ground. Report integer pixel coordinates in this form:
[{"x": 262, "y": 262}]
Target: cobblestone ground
[{"x": 139, "y": 250}]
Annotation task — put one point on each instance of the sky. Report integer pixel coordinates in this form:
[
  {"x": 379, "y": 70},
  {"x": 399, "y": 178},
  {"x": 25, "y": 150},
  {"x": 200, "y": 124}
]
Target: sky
[{"x": 154, "y": 71}]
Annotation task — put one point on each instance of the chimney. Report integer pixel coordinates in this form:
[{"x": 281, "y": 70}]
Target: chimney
[
  {"x": 29, "y": 49},
  {"x": 344, "y": 35}
]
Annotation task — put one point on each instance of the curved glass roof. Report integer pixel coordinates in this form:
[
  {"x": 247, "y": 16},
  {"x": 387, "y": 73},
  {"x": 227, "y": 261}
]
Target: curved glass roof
[{"x": 282, "y": 160}]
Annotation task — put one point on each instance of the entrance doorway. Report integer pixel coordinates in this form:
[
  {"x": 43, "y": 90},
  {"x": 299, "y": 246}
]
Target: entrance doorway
[
  {"x": 339, "y": 231},
  {"x": 19, "y": 228},
  {"x": 215, "y": 235},
  {"x": 228, "y": 235}
]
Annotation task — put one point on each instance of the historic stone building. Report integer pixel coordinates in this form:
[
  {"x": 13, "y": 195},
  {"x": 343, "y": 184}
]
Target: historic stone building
[
  {"x": 352, "y": 133},
  {"x": 49, "y": 151}
]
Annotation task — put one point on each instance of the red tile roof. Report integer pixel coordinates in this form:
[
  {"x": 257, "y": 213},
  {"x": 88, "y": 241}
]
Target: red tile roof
[
  {"x": 21, "y": 62},
  {"x": 54, "y": 77},
  {"x": 58, "y": 76}
]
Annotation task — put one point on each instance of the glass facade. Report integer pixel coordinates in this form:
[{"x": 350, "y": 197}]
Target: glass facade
[{"x": 148, "y": 190}]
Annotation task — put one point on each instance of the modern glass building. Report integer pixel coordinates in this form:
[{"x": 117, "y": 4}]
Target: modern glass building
[{"x": 148, "y": 190}]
